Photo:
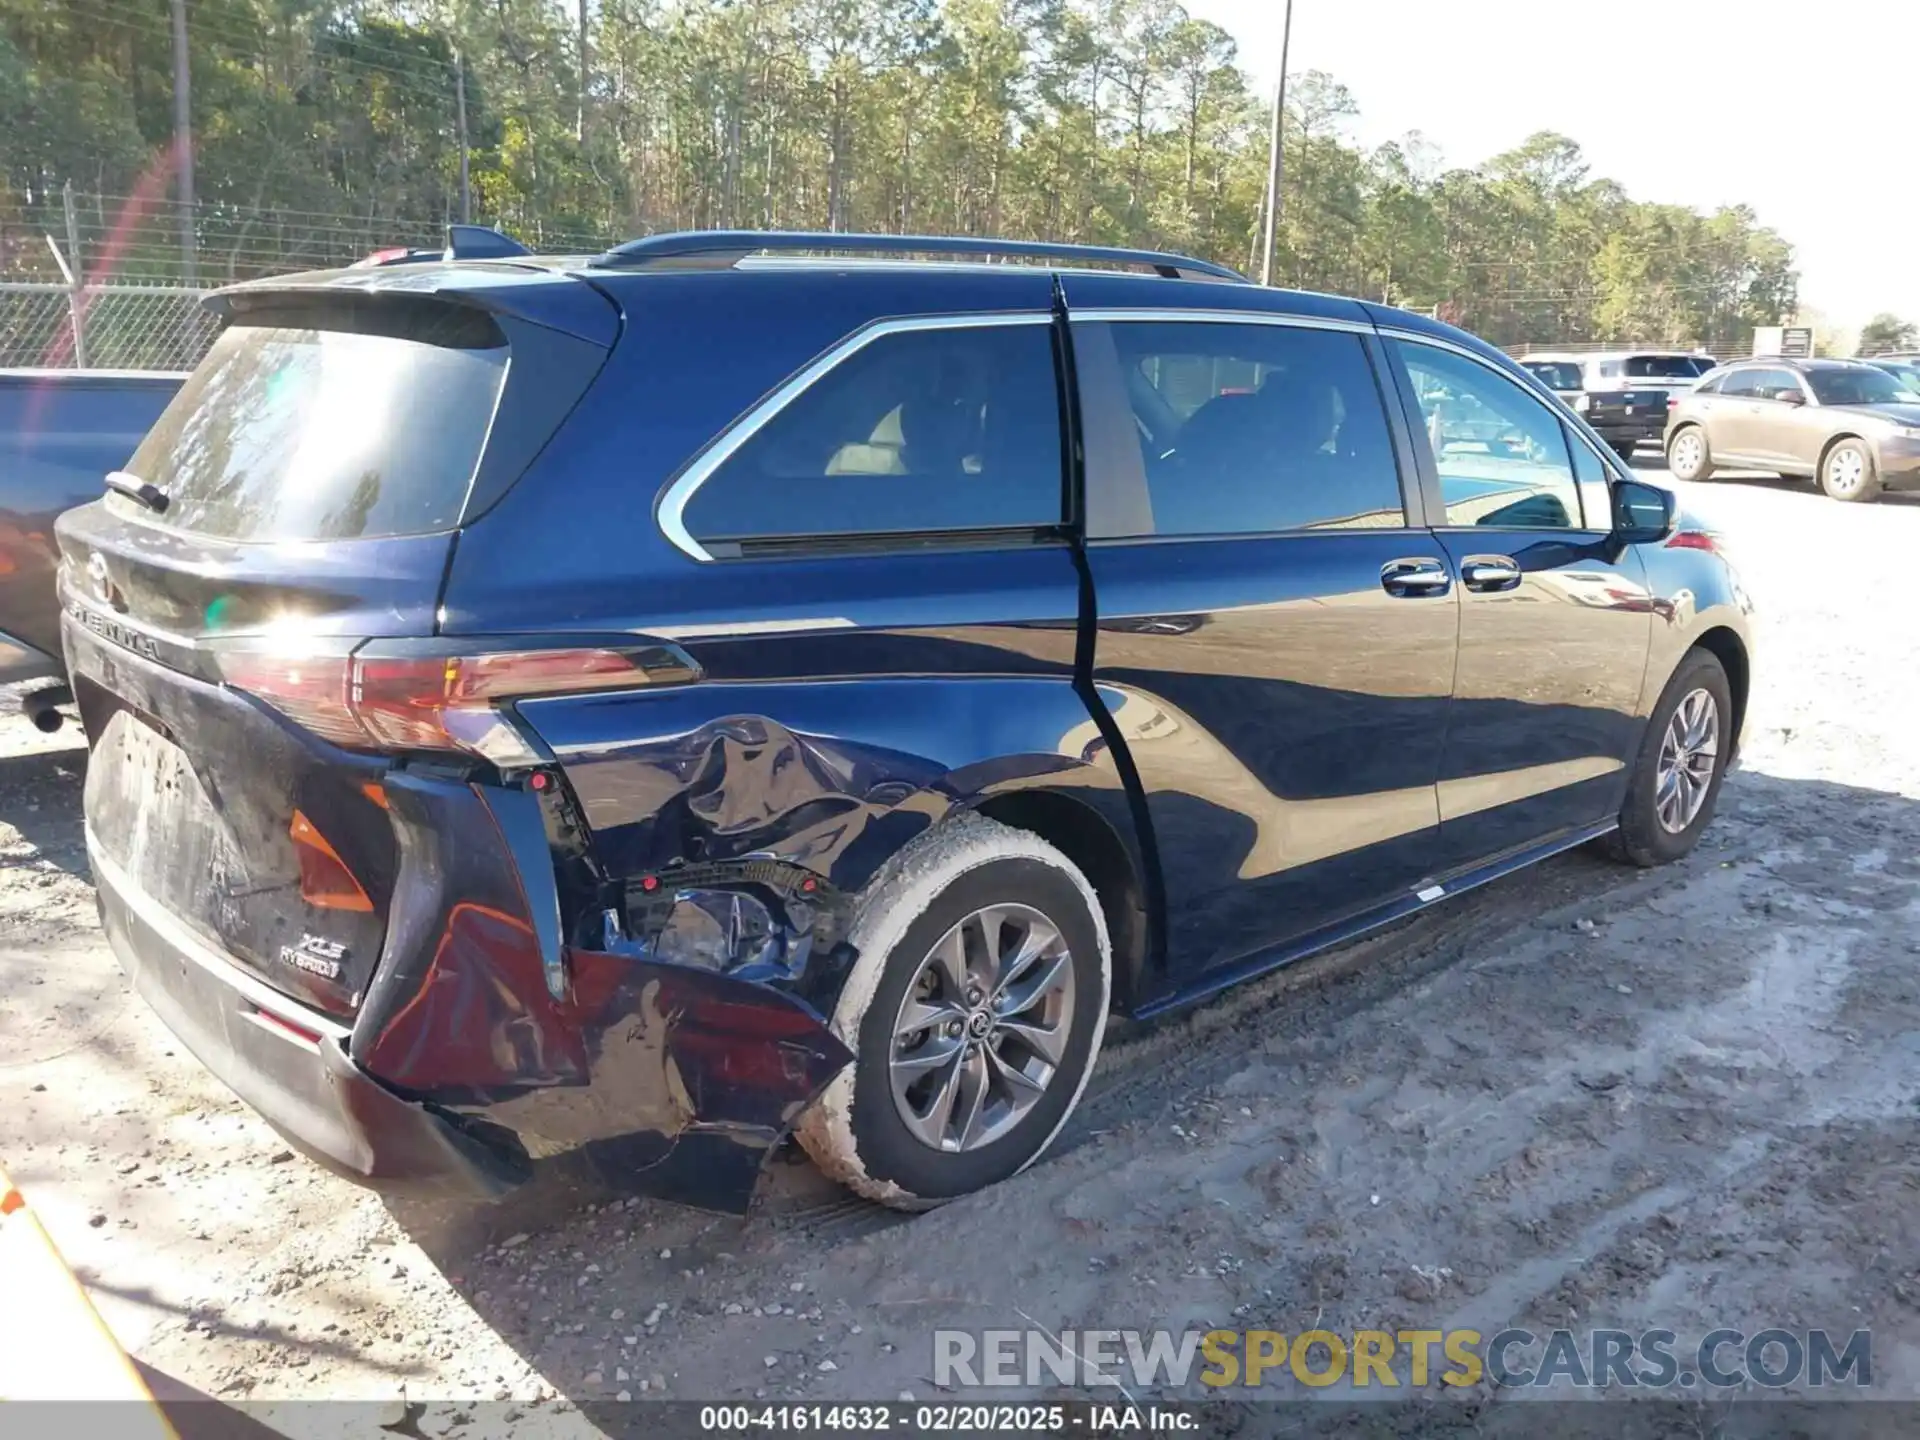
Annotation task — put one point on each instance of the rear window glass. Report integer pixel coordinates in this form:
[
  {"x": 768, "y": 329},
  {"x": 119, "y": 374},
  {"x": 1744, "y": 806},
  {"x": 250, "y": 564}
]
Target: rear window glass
[
  {"x": 1662, "y": 367},
  {"x": 1758, "y": 382},
  {"x": 290, "y": 432},
  {"x": 924, "y": 430}
]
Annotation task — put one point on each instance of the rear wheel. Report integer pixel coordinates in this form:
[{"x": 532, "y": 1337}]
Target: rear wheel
[
  {"x": 975, "y": 1012},
  {"x": 1683, "y": 758},
  {"x": 1847, "y": 472},
  {"x": 1688, "y": 455}
]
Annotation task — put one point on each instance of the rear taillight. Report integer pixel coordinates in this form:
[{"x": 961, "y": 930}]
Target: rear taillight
[
  {"x": 310, "y": 690},
  {"x": 1694, "y": 540},
  {"x": 420, "y": 702},
  {"x": 447, "y": 702},
  {"x": 1673, "y": 402}
]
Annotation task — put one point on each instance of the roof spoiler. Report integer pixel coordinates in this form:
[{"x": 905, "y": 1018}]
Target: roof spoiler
[
  {"x": 477, "y": 242},
  {"x": 722, "y": 249}
]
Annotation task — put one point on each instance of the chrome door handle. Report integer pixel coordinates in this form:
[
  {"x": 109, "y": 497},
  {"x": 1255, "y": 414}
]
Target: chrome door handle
[
  {"x": 1415, "y": 577},
  {"x": 1489, "y": 572}
]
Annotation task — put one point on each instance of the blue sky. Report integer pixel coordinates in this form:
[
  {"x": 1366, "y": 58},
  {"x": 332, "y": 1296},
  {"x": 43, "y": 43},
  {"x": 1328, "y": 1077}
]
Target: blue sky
[{"x": 1808, "y": 113}]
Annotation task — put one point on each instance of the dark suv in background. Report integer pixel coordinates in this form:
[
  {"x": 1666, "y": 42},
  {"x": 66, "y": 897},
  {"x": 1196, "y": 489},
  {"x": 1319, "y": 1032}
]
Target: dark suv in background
[
  {"x": 638, "y": 705},
  {"x": 1623, "y": 395}
]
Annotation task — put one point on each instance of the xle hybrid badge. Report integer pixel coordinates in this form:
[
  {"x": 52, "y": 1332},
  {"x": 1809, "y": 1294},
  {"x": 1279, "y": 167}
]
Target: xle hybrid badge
[{"x": 317, "y": 955}]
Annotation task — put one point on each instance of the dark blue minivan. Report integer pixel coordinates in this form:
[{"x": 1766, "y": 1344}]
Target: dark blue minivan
[{"x": 645, "y": 705}]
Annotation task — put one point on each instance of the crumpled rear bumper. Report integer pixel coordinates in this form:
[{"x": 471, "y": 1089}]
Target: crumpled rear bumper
[
  {"x": 287, "y": 1061},
  {"x": 676, "y": 1082}
]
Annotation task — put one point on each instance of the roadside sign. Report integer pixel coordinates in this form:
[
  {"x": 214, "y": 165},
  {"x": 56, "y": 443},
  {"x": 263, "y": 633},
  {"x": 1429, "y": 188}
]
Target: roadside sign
[{"x": 1789, "y": 342}]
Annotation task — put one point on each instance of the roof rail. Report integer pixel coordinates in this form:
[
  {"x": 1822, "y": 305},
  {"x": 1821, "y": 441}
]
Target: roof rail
[{"x": 722, "y": 249}]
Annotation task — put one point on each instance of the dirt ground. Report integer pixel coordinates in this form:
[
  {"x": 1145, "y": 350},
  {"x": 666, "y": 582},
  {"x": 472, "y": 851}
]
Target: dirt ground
[{"x": 1583, "y": 1096}]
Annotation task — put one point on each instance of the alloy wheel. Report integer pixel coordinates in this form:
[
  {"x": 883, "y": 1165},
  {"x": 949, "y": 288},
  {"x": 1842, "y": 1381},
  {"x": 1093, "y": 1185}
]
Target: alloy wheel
[
  {"x": 1688, "y": 754},
  {"x": 982, "y": 1030}
]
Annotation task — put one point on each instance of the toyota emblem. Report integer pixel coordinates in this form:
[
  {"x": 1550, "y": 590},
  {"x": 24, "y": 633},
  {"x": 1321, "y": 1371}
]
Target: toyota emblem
[{"x": 101, "y": 581}]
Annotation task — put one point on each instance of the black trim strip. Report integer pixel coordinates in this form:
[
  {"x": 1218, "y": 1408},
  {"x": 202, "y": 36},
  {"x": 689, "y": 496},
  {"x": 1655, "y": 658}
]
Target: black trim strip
[{"x": 1009, "y": 537}]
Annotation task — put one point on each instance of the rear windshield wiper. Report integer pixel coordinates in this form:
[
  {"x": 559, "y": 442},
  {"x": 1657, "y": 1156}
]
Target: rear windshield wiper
[{"x": 136, "y": 489}]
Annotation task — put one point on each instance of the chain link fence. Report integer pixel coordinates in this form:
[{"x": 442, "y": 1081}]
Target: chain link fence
[
  {"x": 103, "y": 327},
  {"x": 1722, "y": 347}
]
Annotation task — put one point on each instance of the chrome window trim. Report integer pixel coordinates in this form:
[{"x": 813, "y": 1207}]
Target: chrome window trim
[
  {"x": 671, "y": 509},
  {"x": 1172, "y": 316},
  {"x": 1438, "y": 342}
]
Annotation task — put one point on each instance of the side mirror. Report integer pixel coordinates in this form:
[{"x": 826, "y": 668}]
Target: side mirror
[
  {"x": 1643, "y": 514},
  {"x": 1789, "y": 397}
]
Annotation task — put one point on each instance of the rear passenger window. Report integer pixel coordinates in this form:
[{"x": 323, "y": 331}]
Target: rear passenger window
[
  {"x": 919, "y": 430},
  {"x": 1500, "y": 452},
  {"x": 1250, "y": 429},
  {"x": 1758, "y": 384}
]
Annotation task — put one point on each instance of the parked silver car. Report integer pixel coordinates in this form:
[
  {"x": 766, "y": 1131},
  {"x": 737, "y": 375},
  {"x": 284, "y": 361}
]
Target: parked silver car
[{"x": 1853, "y": 426}]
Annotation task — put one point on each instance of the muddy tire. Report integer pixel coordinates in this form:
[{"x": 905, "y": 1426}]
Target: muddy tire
[
  {"x": 1847, "y": 472},
  {"x": 1689, "y": 456},
  {"x": 1683, "y": 758},
  {"x": 974, "y": 1011}
]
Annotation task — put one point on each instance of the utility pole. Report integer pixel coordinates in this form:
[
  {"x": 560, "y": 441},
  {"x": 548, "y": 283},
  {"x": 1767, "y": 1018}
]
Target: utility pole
[
  {"x": 1274, "y": 169},
  {"x": 580, "y": 123},
  {"x": 183, "y": 137},
  {"x": 460, "y": 119},
  {"x": 74, "y": 276}
]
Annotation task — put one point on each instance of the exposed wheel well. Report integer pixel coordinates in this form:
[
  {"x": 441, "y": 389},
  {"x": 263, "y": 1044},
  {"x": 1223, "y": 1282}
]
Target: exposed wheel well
[
  {"x": 1084, "y": 837},
  {"x": 1725, "y": 647}
]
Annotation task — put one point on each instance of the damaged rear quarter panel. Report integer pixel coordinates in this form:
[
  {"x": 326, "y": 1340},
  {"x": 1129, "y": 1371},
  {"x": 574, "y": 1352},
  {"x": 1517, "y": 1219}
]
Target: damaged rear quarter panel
[{"x": 832, "y": 776}]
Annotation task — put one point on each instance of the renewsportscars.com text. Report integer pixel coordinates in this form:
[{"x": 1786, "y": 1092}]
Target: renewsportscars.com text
[{"x": 1389, "y": 1360}]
